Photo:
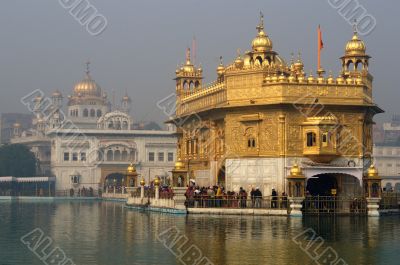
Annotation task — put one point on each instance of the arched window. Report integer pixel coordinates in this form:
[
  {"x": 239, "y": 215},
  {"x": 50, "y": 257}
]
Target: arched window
[
  {"x": 117, "y": 155},
  {"x": 85, "y": 113},
  {"x": 111, "y": 125},
  {"x": 251, "y": 142},
  {"x": 259, "y": 59},
  {"x": 110, "y": 156},
  {"x": 98, "y": 113},
  {"x": 132, "y": 156},
  {"x": 125, "y": 125},
  {"x": 92, "y": 113},
  {"x": 124, "y": 155},
  {"x": 311, "y": 139},
  {"x": 118, "y": 125}
]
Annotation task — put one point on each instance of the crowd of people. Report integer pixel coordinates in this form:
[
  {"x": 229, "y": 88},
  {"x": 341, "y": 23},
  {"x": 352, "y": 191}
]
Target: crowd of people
[{"x": 217, "y": 196}]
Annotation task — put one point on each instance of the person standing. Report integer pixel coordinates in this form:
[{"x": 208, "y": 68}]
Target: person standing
[{"x": 274, "y": 198}]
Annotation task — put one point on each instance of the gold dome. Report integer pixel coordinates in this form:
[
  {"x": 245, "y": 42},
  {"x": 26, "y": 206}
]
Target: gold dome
[
  {"x": 142, "y": 182},
  {"x": 131, "y": 169},
  {"x": 372, "y": 172},
  {"x": 156, "y": 181},
  {"x": 296, "y": 172},
  {"x": 262, "y": 42},
  {"x": 188, "y": 67},
  {"x": 239, "y": 62},
  {"x": 221, "y": 67},
  {"x": 282, "y": 78},
  {"x": 355, "y": 46},
  {"x": 179, "y": 165},
  {"x": 87, "y": 87}
]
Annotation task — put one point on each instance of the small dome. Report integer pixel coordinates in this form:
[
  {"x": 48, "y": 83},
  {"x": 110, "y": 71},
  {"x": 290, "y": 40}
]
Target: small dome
[
  {"x": 17, "y": 125},
  {"x": 262, "y": 42},
  {"x": 156, "y": 181},
  {"x": 295, "y": 171},
  {"x": 179, "y": 165},
  {"x": 282, "y": 78},
  {"x": 131, "y": 169},
  {"x": 56, "y": 94},
  {"x": 239, "y": 62},
  {"x": 355, "y": 46},
  {"x": 221, "y": 67},
  {"x": 142, "y": 182},
  {"x": 372, "y": 172}
]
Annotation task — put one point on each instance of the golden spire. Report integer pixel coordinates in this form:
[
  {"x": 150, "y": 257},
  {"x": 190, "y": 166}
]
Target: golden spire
[
  {"x": 262, "y": 42},
  {"x": 355, "y": 46},
  {"x": 260, "y": 26},
  {"x": 220, "y": 68},
  {"x": 188, "y": 62}
]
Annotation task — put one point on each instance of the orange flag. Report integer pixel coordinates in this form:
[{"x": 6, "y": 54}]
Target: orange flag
[{"x": 320, "y": 46}]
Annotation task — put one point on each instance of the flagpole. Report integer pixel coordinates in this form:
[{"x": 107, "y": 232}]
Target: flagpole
[{"x": 320, "y": 70}]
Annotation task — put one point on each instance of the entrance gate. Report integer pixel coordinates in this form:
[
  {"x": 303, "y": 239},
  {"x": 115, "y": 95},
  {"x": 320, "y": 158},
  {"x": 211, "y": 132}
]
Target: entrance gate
[{"x": 319, "y": 205}]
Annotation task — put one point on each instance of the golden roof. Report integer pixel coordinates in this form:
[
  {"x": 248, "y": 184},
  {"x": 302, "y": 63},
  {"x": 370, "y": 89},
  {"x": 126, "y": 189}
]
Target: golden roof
[
  {"x": 355, "y": 46},
  {"x": 372, "y": 172},
  {"x": 87, "y": 87},
  {"x": 296, "y": 172},
  {"x": 131, "y": 168},
  {"x": 179, "y": 165},
  {"x": 262, "y": 42}
]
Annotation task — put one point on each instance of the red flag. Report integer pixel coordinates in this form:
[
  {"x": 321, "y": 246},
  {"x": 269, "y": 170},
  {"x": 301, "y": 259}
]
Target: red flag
[{"x": 320, "y": 46}]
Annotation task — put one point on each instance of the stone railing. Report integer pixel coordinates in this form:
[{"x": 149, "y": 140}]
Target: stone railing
[
  {"x": 206, "y": 98},
  {"x": 137, "y": 197}
]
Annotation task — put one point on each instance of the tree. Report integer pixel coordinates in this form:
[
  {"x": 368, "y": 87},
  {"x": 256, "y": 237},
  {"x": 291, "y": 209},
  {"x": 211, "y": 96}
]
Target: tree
[{"x": 17, "y": 160}]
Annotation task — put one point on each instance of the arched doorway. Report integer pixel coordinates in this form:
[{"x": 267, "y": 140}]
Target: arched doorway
[
  {"x": 221, "y": 176},
  {"x": 341, "y": 184},
  {"x": 321, "y": 185},
  {"x": 114, "y": 181}
]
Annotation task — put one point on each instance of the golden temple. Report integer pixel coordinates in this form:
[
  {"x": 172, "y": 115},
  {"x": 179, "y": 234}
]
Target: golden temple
[{"x": 249, "y": 126}]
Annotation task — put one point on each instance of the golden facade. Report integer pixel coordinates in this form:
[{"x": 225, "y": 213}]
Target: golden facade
[{"x": 260, "y": 107}]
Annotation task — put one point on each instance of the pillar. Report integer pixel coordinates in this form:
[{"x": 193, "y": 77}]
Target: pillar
[{"x": 296, "y": 190}]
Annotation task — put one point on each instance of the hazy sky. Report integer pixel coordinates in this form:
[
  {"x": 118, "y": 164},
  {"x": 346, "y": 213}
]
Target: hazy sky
[{"x": 43, "y": 47}]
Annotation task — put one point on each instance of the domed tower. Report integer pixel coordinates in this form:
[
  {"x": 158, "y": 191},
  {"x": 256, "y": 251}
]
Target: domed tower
[
  {"x": 262, "y": 53},
  {"x": 188, "y": 77},
  {"x": 126, "y": 104},
  {"x": 355, "y": 60},
  {"x": 57, "y": 99},
  {"x": 17, "y": 129},
  {"x": 87, "y": 103}
]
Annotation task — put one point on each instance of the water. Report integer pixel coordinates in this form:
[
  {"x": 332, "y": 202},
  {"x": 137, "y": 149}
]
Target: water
[{"x": 107, "y": 233}]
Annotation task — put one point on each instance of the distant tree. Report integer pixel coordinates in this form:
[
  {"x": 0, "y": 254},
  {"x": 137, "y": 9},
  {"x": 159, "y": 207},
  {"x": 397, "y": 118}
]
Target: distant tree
[{"x": 17, "y": 160}]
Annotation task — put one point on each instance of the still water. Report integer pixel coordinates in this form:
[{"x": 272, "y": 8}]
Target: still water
[{"x": 92, "y": 232}]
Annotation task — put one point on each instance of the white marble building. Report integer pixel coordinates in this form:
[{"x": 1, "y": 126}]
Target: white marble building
[
  {"x": 387, "y": 161},
  {"x": 92, "y": 143}
]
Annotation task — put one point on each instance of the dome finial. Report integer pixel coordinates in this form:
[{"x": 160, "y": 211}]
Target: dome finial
[
  {"x": 87, "y": 67},
  {"x": 188, "y": 56},
  {"x": 355, "y": 27},
  {"x": 260, "y": 26}
]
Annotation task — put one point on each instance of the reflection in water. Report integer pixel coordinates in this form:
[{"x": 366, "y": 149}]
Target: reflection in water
[{"x": 107, "y": 233}]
